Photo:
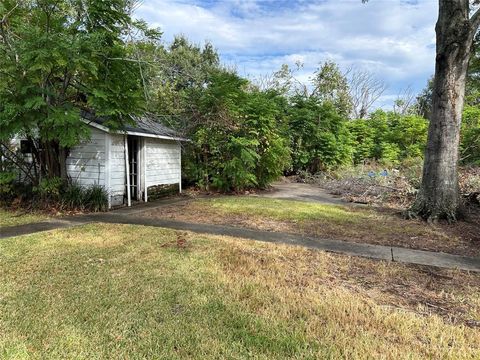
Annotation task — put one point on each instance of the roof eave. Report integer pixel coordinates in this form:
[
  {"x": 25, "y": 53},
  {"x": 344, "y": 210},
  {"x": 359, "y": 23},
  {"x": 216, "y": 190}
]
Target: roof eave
[{"x": 133, "y": 133}]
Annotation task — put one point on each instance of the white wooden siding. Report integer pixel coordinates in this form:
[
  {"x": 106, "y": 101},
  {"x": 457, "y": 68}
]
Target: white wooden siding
[
  {"x": 117, "y": 168},
  {"x": 101, "y": 161},
  {"x": 163, "y": 162},
  {"x": 86, "y": 161}
]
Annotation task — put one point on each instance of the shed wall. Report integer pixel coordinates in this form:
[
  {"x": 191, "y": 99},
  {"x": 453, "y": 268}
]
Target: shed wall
[
  {"x": 162, "y": 162},
  {"x": 86, "y": 161},
  {"x": 117, "y": 169},
  {"x": 101, "y": 161}
]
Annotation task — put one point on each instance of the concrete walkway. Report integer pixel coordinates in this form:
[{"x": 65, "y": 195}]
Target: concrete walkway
[
  {"x": 388, "y": 253},
  {"x": 301, "y": 192}
]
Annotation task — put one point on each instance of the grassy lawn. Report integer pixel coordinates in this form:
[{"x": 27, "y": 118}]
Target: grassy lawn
[
  {"x": 12, "y": 218},
  {"x": 121, "y": 291},
  {"x": 360, "y": 224}
]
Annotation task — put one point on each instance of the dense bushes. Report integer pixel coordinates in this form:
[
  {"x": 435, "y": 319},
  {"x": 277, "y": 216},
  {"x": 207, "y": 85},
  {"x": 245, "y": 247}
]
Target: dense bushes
[
  {"x": 52, "y": 193},
  {"x": 470, "y": 136},
  {"x": 244, "y": 137},
  {"x": 319, "y": 136},
  {"x": 236, "y": 141},
  {"x": 244, "y": 133},
  {"x": 388, "y": 137}
]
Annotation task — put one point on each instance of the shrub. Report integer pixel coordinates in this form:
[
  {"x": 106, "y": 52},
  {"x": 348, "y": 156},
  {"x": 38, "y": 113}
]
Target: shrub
[
  {"x": 50, "y": 188},
  {"x": 388, "y": 137},
  {"x": 237, "y": 138},
  {"x": 7, "y": 180},
  {"x": 96, "y": 198},
  {"x": 73, "y": 197},
  {"x": 470, "y": 136},
  {"x": 92, "y": 198},
  {"x": 320, "y": 139},
  {"x": 390, "y": 154}
]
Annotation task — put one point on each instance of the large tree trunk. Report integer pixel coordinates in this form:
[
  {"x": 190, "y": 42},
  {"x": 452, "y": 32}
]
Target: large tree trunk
[{"x": 439, "y": 194}]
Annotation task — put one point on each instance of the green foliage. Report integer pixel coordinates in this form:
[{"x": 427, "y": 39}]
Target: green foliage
[
  {"x": 364, "y": 139},
  {"x": 390, "y": 153},
  {"x": 96, "y": 198},
  {"x": 49, "y": 188},
  {"x": 93, "y": 198},
  {"x": 62, "y": 56},
  {"x": 7, "y": 179},
  {"x": 388, "y": 137},
  {"x": 73, "y": 197},
  {"x": 470, "y": 135},
  {"x": 332, "y": 86},
  {"x": 237, "y": 141},
  {"x": 319, "y": 135},
  {"x": 184, "y": 72}
]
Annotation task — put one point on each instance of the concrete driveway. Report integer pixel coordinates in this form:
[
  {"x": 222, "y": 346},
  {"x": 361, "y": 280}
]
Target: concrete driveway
[{"x": 301, "y": 192}]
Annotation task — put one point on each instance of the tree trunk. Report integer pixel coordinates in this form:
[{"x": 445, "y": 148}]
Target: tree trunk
[
  {"x": 62, "y": 159},
  {"x": 53, "y": 160},
  {"x": 439, "y": 193}
]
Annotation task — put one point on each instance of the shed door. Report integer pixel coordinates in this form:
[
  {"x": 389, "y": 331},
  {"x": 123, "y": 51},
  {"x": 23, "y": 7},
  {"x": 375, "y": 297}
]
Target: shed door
[{"x": 134, "y": 168}]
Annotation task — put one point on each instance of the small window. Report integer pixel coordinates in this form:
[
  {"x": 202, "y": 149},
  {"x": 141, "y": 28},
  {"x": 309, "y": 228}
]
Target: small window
[{"x": 26, "y": 146}]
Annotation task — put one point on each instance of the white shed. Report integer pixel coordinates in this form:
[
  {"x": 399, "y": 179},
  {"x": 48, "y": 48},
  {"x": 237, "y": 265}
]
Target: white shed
[{"x": 142, "y": 160}]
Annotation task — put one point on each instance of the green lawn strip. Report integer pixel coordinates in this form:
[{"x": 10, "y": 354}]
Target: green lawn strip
[
  {"x": 120, "y": 291},
  {"x": 285, "y": 209},
  {"x": 320, "y": 219},
  {"x": 13, "y": 218}
]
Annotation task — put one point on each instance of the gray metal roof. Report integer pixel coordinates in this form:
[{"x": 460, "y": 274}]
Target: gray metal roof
[
  {"x": 145, "y": 124},
  {"x": 150, "y": 125}
]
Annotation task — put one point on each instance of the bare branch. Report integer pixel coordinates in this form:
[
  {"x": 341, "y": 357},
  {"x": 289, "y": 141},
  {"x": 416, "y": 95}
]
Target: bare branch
[
  {"x": 404, "y": 101},
  {"x": 475, "y": 20},
  {"x": 365, "y": 90}
]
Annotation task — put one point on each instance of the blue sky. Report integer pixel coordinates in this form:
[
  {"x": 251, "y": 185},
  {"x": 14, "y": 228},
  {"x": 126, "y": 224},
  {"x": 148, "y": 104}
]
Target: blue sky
[{"x": 395, "y": 39}]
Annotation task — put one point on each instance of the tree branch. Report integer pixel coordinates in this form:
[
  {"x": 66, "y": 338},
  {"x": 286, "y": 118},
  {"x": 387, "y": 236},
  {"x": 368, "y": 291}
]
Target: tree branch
[
  {"x": 5, "y": 17},
  {"x": 18, "y": 162},
  {"x": 475, "y": 20}
]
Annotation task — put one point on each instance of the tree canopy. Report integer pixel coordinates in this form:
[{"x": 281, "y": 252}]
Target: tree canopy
[
  {"x": 62, "y": 57},
  {"x": 59, "y": 58}
]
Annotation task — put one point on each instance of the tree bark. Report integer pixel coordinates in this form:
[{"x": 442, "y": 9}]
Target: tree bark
[
  {"x": 53, "y": 160},
  {"x": 439, "y": 193}
]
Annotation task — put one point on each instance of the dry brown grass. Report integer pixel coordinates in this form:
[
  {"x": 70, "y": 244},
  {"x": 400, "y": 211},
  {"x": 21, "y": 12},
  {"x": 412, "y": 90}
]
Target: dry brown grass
[
  {"x": 369, "y": 309},
  {"x": 123, "y": 291}
]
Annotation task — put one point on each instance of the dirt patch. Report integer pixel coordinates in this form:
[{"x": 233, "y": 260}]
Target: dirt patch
[
  {"x": 180, "y": 243},
  {"x": 195, "y": 212}
]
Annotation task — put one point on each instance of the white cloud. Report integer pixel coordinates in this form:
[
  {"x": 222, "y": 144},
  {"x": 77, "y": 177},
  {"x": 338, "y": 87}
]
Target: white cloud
[{"x": 393, "y": 38}]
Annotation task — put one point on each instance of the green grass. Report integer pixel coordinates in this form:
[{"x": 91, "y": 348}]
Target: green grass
[
  {"x": 284, "y": 209},
  {"x": 12, "y": 218},
  {"x": 120, "y": 291}
]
